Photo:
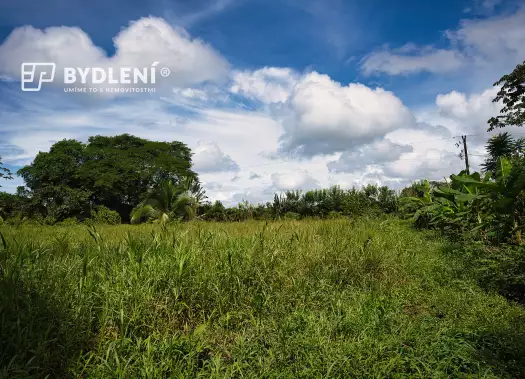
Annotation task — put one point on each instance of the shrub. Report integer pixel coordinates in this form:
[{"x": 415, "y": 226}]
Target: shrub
[
  {"x": 501, "y": 270},
  {"x": 104, "y": 215}
]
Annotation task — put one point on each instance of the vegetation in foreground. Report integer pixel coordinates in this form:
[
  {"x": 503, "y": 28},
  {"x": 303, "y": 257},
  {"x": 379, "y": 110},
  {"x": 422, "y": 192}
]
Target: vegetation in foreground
[{"x": 336, "y": 298}]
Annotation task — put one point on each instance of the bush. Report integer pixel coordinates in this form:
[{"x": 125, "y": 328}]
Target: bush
[
  {"x": 501, "y": 270},
  {"x": 104, "y": 215},
  {"x": 292, "y": 216}
]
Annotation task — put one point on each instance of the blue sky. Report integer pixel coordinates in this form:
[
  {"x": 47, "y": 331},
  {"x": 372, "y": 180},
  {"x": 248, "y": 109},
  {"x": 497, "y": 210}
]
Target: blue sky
[{"x": 271, "y": 95}]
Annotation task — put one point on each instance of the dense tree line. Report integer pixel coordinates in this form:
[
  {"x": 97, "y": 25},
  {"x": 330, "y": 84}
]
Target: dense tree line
[{"x": 323, "y": 203}]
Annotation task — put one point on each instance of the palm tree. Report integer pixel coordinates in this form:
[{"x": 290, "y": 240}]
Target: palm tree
[
  {"x": 498, "y": 146},
  {"x": 169, "y": 200}
]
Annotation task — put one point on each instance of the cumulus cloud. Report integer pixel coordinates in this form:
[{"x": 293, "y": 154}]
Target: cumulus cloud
[
  {"x": 322, "y": 116},
  {"x": 143, "y": 42},
  {"x": 495, "y": 43},
  {"x": 433, "y": 164},
  {"x": 208, "y": 157},
  {"x": 494, "y": 38},
  {"x": 375, "y": 153},
  {"x": 471, "y": 112},
  {"x": 268, "y": 84},
  {"x": 294, "y": 180}
]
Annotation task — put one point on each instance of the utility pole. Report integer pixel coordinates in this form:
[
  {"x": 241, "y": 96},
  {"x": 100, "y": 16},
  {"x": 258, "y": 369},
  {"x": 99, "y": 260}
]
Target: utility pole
[{"x": 465, "y": 152}]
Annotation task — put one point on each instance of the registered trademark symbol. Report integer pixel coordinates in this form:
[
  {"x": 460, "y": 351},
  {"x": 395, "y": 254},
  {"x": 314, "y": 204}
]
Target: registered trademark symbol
[{"x": 164, "y": 71}]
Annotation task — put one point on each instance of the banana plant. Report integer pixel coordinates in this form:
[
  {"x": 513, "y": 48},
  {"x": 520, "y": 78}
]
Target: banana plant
[{"x": 485, "y": 206}]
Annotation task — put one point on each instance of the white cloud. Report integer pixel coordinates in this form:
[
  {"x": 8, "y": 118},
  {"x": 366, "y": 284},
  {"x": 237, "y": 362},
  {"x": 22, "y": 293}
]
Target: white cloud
[
  {"x": 322, "y": 116},
  {"x": 495, "y": 39},
  {"x": 432, "y": 164},
  {"x": 412, "y": 59},
  {"x": 268, "y": 84},
  {"x": 143, "y": 42},
  {"x": 470, "y": 112},
  {"x": 375, "y": 153},
  {"x": 208, "y": 157},
  {"x": 294, "y": 180},
  {"x": 489, "y": 45}
]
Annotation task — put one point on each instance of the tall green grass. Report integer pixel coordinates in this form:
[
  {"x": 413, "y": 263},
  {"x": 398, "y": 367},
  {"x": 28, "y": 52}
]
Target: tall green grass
[{"x": 339, "y": 298}]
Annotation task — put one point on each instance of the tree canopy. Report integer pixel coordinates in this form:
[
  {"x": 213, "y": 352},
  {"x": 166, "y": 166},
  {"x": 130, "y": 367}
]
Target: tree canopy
[
  {"x": 115, "y": 172},
  {"x": 512, "y": 94},
  {"x": 4, "y": 172},
  {"x": 501, "y": 145}
]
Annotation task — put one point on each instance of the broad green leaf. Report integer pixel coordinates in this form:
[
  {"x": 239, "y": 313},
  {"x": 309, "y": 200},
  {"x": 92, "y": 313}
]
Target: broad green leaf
[
  {"x": 469, "y": 197},
  {"x": 504, "y": 168}
]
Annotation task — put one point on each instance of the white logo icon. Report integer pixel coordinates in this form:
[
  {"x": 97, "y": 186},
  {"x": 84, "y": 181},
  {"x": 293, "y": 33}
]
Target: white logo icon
[{"x": 46, "y": 73}]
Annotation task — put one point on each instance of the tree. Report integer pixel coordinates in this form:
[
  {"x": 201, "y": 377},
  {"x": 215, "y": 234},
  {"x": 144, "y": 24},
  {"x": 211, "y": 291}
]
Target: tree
[
  {"x": 116, "y": 172},
  {"x": 168, "y": 201},
  {"x": 4, "y": 172},
  {"x": 120, "y": 169},
  {"x": 55, "y": 189},
  {"x": 512, "y": 94},
  {"x": 501, "y": 145}
]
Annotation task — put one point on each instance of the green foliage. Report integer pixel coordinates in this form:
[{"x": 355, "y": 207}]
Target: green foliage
[
  {"x": 168, "y": 201},
  {"x": 70, "y": 221},
  {"x": 333, "y": 202},
  {"x": 50, "y": 220},
  {"x": 112, "y": 171},
  {"x": 4, "y": 172},
  {"x": 484, "y": 208},
  {"x": 215, "y": 212},
  {"x": 333, "y": 215},
  {"x": 500, "y": 269},
  {"x": 328, "y": 299},
  {"x": 9, "y": 204},
  {"x": 502, "y": 146},
  {"x": 512, "y": 95},
  {"x": 292, "y": 216},
  {"x": 104, "y": 215},
  {"x": 370, "y": 200}
]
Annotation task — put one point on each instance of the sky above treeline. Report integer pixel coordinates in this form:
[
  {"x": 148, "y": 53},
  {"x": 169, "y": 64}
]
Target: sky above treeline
[{"x": 269, "y": 95}]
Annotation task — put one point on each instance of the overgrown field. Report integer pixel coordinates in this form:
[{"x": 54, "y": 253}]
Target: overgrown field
[{"x": 338, "y": 298}]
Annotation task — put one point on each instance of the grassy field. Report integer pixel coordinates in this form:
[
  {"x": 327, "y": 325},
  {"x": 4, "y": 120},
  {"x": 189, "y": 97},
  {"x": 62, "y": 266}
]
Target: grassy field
[{"x": 361, "y": 298}]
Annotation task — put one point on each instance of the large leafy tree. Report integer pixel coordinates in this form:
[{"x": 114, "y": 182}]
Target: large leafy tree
[
  {"x": 111, "y": 171},
  {"x": 52, "y": 180},
  {"x": 512, "y": 94},
  {"x": 120, "y": 169}
]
